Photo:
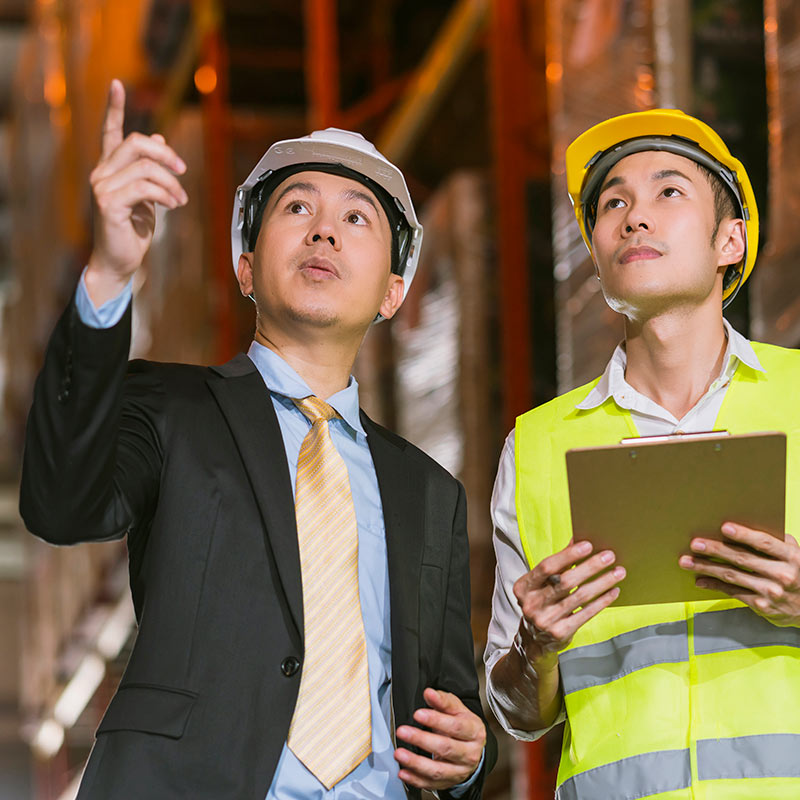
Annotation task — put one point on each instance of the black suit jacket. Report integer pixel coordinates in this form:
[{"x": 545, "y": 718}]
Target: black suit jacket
[{"x": 188, "y": 462}]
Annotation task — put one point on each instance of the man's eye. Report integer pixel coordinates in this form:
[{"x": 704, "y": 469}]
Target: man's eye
[
  {"x": 356, "y": 218},
  {"x": 614, "y": 202},
  {"x": 671, "y": 191},
  {"x": 296, "y": 208}
]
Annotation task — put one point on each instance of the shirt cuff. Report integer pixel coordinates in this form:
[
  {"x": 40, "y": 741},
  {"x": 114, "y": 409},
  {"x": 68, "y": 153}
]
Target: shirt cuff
[
  {"x": 109, "y": 314},
  {"x": 459, "y": 789}
]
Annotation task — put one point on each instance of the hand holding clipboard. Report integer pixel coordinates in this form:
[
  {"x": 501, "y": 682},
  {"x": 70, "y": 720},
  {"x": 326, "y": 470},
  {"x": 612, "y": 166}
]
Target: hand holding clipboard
[{"x": 653, "y": 499}]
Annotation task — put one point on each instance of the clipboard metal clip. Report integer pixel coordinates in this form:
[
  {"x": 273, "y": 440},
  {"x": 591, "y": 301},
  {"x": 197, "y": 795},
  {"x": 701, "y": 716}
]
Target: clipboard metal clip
[{"x": 673, "y": 437}]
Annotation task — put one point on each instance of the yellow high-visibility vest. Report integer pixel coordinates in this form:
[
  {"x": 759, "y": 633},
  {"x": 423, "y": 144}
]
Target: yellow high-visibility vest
[{"x": 693, "y": 700}]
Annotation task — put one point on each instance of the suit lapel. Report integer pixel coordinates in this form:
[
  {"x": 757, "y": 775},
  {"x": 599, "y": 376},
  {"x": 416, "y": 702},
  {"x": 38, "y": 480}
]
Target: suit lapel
[
  {"x": 402, "y": 495},
  {"x": 247, "y": 407}
]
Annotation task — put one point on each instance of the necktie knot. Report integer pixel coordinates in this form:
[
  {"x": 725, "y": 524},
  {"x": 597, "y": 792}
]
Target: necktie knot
[{"x": 315, "y": 409}]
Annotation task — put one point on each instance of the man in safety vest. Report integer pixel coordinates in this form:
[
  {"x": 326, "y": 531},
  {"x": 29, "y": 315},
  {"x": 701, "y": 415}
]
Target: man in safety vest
[{"x": 674, "y": 700}]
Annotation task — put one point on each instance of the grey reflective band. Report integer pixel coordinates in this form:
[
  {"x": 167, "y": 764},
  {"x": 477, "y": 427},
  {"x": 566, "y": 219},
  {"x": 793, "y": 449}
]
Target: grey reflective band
[
  {"x": 630, "y": 778},
  {"x": 668, "y": 643},
  {"x": 596, "y": 664},
  {"x": 770, "y": 755},
  {"x": 739, "y": 629}
]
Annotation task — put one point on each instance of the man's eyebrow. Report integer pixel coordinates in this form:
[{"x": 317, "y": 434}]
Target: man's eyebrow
[
  {"x": 656, "y": 176},
  {"x": 300, "y": 186},
  {"x": 670, "y": 173},
  {"x": 355, "y": 194},
  {"x": 611, "y": 182}
]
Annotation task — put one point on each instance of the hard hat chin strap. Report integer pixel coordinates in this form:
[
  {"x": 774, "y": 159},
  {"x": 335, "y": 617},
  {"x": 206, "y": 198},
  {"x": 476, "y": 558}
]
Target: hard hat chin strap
[{"x": 732, "y": 274}]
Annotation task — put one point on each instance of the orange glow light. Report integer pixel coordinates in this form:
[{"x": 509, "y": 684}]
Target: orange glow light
[
  {"x": 554, "y": 72},
  {"x": 770, "y": 24},
  {"x": 205, "y": 79},
  {"x": 645, "y": 81},
  {"x": 55, "y": 89}
]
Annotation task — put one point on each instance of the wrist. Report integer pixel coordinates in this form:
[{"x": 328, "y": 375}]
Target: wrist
[
  {"x": 102, "y": 282},
  {"x": 530, "y": 647}
]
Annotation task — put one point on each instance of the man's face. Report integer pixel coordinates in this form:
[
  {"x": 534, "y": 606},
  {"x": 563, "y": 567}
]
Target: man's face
[
  {"x": 652, "y": 240},
  {"x": 323, "y": 256}
]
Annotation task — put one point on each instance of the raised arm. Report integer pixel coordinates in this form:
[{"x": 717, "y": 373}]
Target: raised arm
[{"x": 92, "y": 450}]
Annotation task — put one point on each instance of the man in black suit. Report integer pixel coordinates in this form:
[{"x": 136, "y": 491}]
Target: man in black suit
[{"x": 197, "y": 467}]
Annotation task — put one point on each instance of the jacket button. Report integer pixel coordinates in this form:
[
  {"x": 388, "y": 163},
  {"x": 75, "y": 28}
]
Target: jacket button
[{"x": 289, "y": 666}]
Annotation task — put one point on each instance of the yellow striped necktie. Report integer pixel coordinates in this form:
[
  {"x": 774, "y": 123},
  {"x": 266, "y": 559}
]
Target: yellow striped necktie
[{"x": 331, "y": 730}]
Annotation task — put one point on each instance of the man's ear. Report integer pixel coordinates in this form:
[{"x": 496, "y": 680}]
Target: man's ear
[
  {"x": 244, "y": 274},
  {"x": 730, "y": 242},
  {"x": 393, "y": 298}
]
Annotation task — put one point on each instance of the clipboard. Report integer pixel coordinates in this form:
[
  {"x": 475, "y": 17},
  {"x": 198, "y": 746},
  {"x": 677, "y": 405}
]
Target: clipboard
[{"x": 646, "y": 498}]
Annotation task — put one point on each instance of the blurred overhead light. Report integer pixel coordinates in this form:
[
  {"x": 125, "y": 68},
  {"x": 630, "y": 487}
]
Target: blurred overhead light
[
  {"x": 554, "y": 72},
  {"x": 55, "y": 88},
  {"x": 116, "y": 629},
  {"x": 80, "y": 689},
  {"x": 205, "y": 79},
  {"x": 48, "y": 738}
]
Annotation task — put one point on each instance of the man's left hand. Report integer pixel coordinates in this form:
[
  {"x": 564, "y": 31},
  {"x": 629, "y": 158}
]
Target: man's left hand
[
  {"x": 767, "y": 580},
  {"x": 455, "y": 738}
]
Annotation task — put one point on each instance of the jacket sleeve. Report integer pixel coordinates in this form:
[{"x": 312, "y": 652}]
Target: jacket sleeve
[
  {"x": 92, "y": 448},
  {"x": 457, "y": 673}
]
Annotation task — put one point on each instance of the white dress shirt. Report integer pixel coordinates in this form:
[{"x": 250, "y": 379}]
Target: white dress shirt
[{"x": 650, "y": 419}]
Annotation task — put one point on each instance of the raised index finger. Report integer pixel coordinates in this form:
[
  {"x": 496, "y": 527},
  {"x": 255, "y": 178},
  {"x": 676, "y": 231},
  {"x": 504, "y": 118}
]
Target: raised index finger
[{"x": 115, "y": 118}]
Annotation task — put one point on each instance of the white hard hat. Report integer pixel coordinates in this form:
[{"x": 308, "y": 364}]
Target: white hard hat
[{"x": 340, "y": 152}]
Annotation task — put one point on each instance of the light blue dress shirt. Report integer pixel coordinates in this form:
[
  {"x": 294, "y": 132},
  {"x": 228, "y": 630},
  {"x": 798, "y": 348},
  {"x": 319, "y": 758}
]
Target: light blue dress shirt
[{"x": 376, "y": 776}]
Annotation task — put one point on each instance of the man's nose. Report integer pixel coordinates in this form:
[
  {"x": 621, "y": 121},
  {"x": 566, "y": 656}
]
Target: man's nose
[
  {"x": 323, "y": 228},
  {"x": 638, "y": 219}
]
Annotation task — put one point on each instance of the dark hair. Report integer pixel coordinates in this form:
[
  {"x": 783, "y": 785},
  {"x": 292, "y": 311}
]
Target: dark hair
[{"x": 724, "y": 203}]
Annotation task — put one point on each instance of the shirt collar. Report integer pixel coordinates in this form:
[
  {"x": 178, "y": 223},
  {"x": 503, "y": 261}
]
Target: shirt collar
[
  {"x": 281, "y": 379},
  {"x": 612, "y": 380}
]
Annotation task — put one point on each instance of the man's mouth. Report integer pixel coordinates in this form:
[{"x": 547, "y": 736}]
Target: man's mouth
[
  {"x": 640, "y": 253},
  {"x": 319, "y": 267}
]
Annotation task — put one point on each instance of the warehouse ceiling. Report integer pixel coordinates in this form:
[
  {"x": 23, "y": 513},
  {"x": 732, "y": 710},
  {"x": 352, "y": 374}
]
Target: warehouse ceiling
[{"x": 380, "y": 46}]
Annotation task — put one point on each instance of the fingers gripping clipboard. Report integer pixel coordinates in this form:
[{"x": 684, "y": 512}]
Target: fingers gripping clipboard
[{"x": 646, "y": 498}]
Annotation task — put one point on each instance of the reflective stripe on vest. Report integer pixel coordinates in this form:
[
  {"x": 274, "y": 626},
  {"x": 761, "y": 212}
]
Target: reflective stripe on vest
[
  {"x": 767, "y": 756},
  {"x": 736, "y": 628},
  {"x": 668, "y": 643},
  {"x": 637, "y": 776},
  {"x": 771, "y": 755},
  {"x": 719, "y": 680},
  {"x": 595, "y": 664}
]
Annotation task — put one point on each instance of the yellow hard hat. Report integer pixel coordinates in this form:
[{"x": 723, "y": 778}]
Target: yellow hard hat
[{"x": 591, "y": 156}]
